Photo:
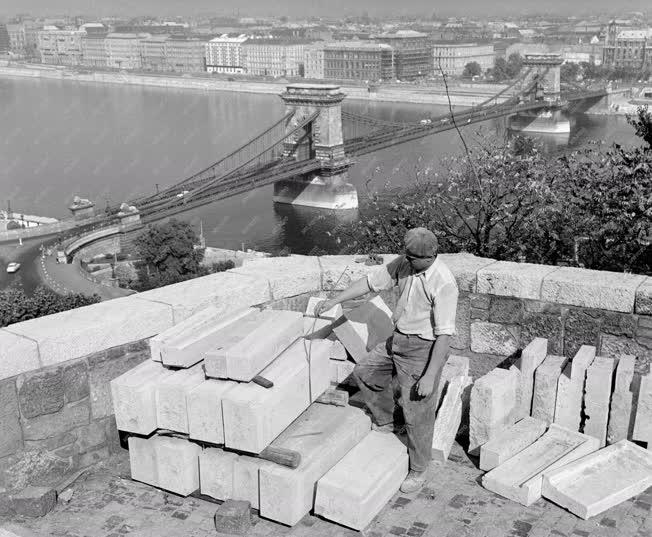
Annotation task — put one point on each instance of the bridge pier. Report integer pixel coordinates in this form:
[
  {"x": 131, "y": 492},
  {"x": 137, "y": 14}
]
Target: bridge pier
[{"x": 322, "y": 139}]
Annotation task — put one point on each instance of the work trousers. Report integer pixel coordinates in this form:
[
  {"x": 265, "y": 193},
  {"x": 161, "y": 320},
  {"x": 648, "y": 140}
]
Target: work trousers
[{"x": 392, "y": 369}]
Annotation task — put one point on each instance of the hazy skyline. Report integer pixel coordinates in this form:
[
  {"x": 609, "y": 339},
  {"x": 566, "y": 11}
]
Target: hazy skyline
[{"x": 318, "y": 7}]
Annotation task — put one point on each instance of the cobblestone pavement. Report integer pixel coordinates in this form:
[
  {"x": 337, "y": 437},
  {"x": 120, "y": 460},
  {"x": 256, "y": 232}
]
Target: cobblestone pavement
[{"x": 106, "y": 503}]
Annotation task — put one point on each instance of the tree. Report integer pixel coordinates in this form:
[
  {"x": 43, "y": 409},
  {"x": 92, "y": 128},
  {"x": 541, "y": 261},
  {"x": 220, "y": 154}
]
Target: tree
[
  {"x": 642, "y": 123},
  {"x": 569, "y": 72},
  {"x": 472, "y": 69},
  {"x": 500, "y": 70},
  {"x": 514, "y": 65}
]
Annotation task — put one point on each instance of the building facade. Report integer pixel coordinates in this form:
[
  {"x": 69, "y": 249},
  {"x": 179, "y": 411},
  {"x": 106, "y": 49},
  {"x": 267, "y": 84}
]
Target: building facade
[
  {"x": 17, "y": 40},
  {"x": 185, "y": 54},
  {"x": 94, "y": 47},
  {"x": 224, "y": 54},
  {"x": 60, "y": 47},
  {"x": 358, "y": 60},
  {"x": 452, "y": 58},
  {"x": 123, "y": 50},
  {"x": 412, "y": 53},
  {"x": 152, "y": 53},
  {"x": 313, "y": 62},
  {"x": 5, "y": 42},
  {"x": 273, "y": 57},
  {"x": 627, "y": 48}
]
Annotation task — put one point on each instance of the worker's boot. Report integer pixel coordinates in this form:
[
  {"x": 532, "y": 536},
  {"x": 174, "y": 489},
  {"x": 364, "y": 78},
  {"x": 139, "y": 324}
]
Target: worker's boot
[{"x": 413, "y": 482}]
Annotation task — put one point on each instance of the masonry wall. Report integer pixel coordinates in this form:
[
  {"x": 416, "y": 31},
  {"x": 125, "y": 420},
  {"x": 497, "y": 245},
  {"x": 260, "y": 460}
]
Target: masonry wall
[{"x": 55, "y": 410}]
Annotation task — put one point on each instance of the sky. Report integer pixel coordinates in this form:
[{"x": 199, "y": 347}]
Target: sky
[{"x": 333, "y": 8}]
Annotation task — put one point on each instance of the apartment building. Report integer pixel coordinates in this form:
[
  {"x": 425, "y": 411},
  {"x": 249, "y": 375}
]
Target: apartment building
[
  {"x": 412, "y": 53},
  {"x": 93, "y": 46},
  {"x": 60, "y": 47},
  {"x": 627, "y": 48},
  {"x": 5, "y": 42},
  {"x": 17, "y": 38},
  {"x": 313, "y": 61},
  {"x": 152, "y": 53},
  {"x": 185, "y": 54},
  {"x": 123, "y": 50},
  {"x": 224, "y": 54},
  {"x": 358, "y": 60},
  {"x": 452, "y": 58},
  {"x": 274, "y": 57}
]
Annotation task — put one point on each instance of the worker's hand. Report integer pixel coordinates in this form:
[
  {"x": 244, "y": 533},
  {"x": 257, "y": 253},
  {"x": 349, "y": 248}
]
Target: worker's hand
[
  {"x": 324, "y": 306},
  {"x": 425, "y": 386}
]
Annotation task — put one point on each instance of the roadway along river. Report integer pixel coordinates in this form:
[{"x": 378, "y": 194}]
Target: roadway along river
[{"x": 111, "y": 143}]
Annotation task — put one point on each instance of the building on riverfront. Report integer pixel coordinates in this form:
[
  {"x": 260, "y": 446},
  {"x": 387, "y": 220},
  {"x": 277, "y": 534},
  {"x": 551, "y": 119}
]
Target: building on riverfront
[
  {"x": 627, "y": 48},
  {"x": 274, "y": 57},
  {"x": 152, "y": 53},
  {"x": 313, "y": 61},
  {"x": 358, "y": 60},
  {"x": 60, "y": 47},
  {"x": 224, "y": 54},
  {"x": 123, "y": 50},
  {"x": 17, "y": 40},
  {"x": 94, "y": 46},
  {"x": 412, "y": 53},
  {"x": 452, "y": 58},
  {"x": 5, "y": 42},
  {"x": 184, "y": 54}
]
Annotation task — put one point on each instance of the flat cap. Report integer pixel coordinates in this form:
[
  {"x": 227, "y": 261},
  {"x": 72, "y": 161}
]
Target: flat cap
[{"x": 421, "y": 242}]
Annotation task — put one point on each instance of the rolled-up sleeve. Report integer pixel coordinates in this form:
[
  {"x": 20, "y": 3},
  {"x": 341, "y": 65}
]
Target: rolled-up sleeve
[
  {"x": 385, "y": 277},
  {"x": 445, "y": 309}
]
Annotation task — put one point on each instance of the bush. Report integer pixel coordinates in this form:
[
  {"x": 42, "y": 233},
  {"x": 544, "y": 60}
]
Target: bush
[
  {"x": 12, "y": 224},
  {"x": 221, "y": 266}
]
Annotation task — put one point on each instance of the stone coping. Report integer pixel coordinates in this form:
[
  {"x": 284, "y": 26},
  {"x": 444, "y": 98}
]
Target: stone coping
[{"x": 72, "y": 334}]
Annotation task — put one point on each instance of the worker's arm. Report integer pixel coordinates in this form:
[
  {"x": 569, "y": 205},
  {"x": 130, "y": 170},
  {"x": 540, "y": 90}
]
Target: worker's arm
[
  {"x": 426, "y": 384},
  {"x": 355, "y": 290}
]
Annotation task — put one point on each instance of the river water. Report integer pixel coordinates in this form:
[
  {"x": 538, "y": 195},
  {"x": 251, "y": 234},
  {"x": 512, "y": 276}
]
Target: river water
[{"x": 111, "y": 143}]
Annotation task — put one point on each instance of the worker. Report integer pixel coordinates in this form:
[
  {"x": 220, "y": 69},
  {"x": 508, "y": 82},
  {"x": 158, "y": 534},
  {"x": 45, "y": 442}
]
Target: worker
[{"x": 414, "y": 355}]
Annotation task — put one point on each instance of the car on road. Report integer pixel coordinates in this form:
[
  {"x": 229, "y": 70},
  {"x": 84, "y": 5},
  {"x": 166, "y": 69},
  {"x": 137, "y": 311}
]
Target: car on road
[{"x": 13, "y": 267}]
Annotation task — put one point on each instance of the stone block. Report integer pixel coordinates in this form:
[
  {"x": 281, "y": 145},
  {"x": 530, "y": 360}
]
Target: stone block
[
  {"x": 570, "y": 389},
  {"x": 332, "y": 314},
  {"x": 204, "y": 402},
  {"x": 314, "y": 328},
  {"x": 41, "y": 393},
  {"x": 50, "y": 425},
  {"x": 506, "y": 310},
  {"x": 464, "y": 267},
  {"x": 338, "y": 351},
  {"x": 318, "y": 353},
  {"x": 643, "y": 422},
  {"x": 532, "y": 356},
  {"x": 354, "y": 491},
  {"x": 233, "y": 517},
  {"x": 13, "y": 530},
  {"x": 11, "y": 439},
  {"x": 617, "y": 345},
  {"x": 93, "y": 457},
  {"x": 520, "y": 477},
  {"x": 492, "y": 338},
  {"x": 91, "y": 436},
  {"x": 493, "y": 399},
  {"x": 597, "y": 394},
  {"x": 506, "y": 278},
  {"x": 82, "y": 331},
  {"x": 185, "y": 344},
  {"x": 603, "y": 479},
  {"x": 254, "y": 416},
  {"x": 142, "y": 459},
  {"x": 599, "y": 289},
  {"x": 34, "y": 501},
  {"x": 75, "y": 382},
  {"x": 323, "y": 434},
  {"x": 546, "y": 378},
  {"x": 340, "y": 371},
  {"x": 455, "y": 366},
  {"x": 340, "y": 271},
  {"x": 643, "y": 300},
  {"x": 548, "y": 326},
  {"x": 449, "y": 417},
  {"x": 364, "y": 327},
  {"x": 510, "y": 441},
  {"x": 134, "y": 397},
  {"x": 622, "y": 410},
  {"x": 177, "y": 461},
  {"x": 18, "y": 354},
  {"x": 241, "y": 351},
  {"x": 224, "y": 290},
  {"x": 462, "y": 337},
  {"x": 581, "y": 327},
  {"x": 171, "y": 398},
  {"x": 216, "y": 470},
  {"x": 32, "y": 467},
  {"x": 246, "y": 472}
]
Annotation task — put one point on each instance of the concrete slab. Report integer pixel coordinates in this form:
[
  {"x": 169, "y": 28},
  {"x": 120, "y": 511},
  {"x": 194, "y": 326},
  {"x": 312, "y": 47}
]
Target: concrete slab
[
  {"x": 243, "y": 350},
  {"x": 449, "y": 417},
  {"x": 493, "y": 399},
  {"x": 597, "y": 394},
  {"x": 605, "y": 478},
  {"x": 142, "y": 460},
  {"x": 362, "y": 328},
  {"x": 532, "y": 356},
  {"x": 511, "y": 441},
  {"x": 323, "y": 434},
  {"x": 178, "y": 465},
  {"x": 643, "y": 423},
  {"x": 570, "y": 389},
  {"x": 622, "y": 410},
  {"x": 254, "y": 416},
  {"x": 546, "y": 378},
  {"x": 204, "y": 408},
  {"x": 171, "y": 398},
  {"x": 520, "y": 477},
  {"x": 332, "y": 314},
  {"x": 216, "y": 470},
  {"x": 134, "y": 397},
  {"x": 354, "y": 491}
]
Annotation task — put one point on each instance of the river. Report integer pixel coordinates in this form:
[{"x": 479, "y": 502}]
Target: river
[{"x": 112, "y": 143}]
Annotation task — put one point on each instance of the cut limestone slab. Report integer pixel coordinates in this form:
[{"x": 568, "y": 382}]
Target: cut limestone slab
[
  {"x": 570, "y": 389},
  {"x": 354, "y": 491},
  {"x": 362, "y": 328},
  {"x": 341, "y": 371},
  {"x": 594, "y": 483},
  {"x": 449, "y": 417},
  {"x": 245, "y": 479},
  {"x": 643, "y": 423},
  {"x": 622, "y": 411},
  {"x": 171, "y": 398},
  {"x": 245, "y": 348},
  {"x": 316, "y": 328},
  {"x": 520, "y": 477},
  {"x": 332, "y": 314},
  {"x": 134, "y": 397},
  {"x": 531, "y": 357},
  {"x": 546, "y": 378},
  {"x": 187, "y": 345},
  {"x": 493, "y": 400},
  {"x": 323, "y": 434},
  {"x": 455, "y": 366},
  {"x": 177, "y": 461},
  {"x": 142, "y": 459},
  {"x": 204, "y": 407},
  {"x": 597, "y": 394},
  {"x": 216, "y": 470},
  {"x": 511, "y": 441},
  {"x": 317, "y": 353},
  {"x": 338, "y": 352},
  {"x": 254, "y": 416}
]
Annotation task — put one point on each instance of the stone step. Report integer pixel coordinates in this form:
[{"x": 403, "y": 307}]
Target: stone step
[
  {"x": 177, "y": 460},
  {"x": 570, "y": 389},
  {"x": 597, "y": 395},
  {"x": 449, "y": 417},
  {"x": 204, "y": 408},
  {"x": 254, "y": 416},
  {"x": 331, "y": 314},
  {"x": 510, "y": 441},
  {"x": 323, "y": 434},
  {"x": 605, "y": 478},
  {"x": 134, "y": 397},
  {"x": 362, "y": 328},
  {"x": 531, "y": 357},
  {"x": 242, "y": 350},
  {"x": 546, "y": 378},
  {"x": 643, "y": 423},
  {"x": 354, "y": 491},
  {"x": 622, "y": 409},
  {"x": 520, "y": 477},
  {"x": 171, "y": 398}
]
